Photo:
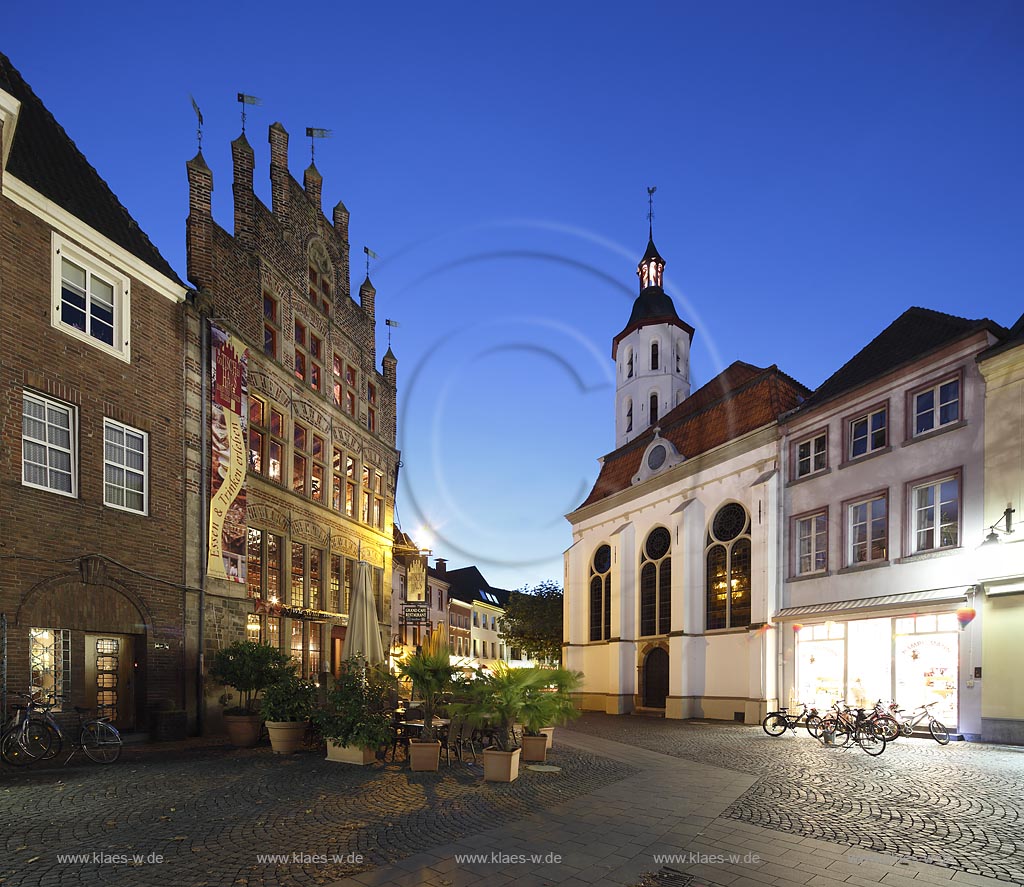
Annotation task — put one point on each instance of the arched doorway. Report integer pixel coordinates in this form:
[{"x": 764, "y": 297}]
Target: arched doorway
[{"x": 655, "y": 678}]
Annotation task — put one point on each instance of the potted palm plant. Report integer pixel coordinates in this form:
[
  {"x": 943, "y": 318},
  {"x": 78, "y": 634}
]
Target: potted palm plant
[
  {"x": 356, "y": 720},
  {"x": 288, "y": 705},
  {"x": 547, "y": 705},
  {"x": 249, "y": 668},
  {"x": 432, "y": 675}
]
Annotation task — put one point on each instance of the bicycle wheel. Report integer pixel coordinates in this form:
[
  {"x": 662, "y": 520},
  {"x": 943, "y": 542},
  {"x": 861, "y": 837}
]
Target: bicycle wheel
[
  {"x": 838, "y": 729},
  {"x": 101, "y": 742},
  {"x": 890, "y": 727},
  {"x": 870, "y": 738},
  {"x": 813, "y": 725},
  {"x": 55, "y": 740},
  {"x": 939, "y": 732},
  {"x": 774, "y": 724}
]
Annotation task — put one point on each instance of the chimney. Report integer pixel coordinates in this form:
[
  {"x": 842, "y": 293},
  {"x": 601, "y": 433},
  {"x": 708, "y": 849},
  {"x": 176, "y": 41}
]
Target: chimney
[
  {"x": 245, "y": 200},
  {"x": 441, "y": 565},
  {"x": 199, "y": 225},
  {"x": 278, "y": 139},
  {"x": 313, "y": 183}
]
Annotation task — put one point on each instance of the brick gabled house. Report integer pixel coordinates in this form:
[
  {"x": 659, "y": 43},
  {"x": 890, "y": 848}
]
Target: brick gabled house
[
  {"x": 291, "y": 423},
  {"x": 91, "y": 482}
]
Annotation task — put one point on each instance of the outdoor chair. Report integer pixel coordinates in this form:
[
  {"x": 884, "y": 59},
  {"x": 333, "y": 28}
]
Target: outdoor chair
[{"x": 458, "y": 735}]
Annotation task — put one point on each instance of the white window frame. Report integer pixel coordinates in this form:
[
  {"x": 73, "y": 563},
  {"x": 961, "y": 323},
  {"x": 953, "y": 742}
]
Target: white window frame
[
  {"x": 72, "y": 413},
  {"x": 936, "y": 507},
  {"x": 65, "y": 249},
  {"x": 936, "y": 409},
  {"x": 850, "y": 542},
  {"x": 806, "y": 528},
  {"x": 811, "y": 441},
  {"x": 869, "y": 432},
  {"x": 126, "y": 430}
]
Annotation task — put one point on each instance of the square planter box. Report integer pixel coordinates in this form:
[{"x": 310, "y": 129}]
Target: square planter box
[
  {"x": 424, "y": 756},
  {"x": 535, "y": 748},
  {"x": 350, "y": 754},
  {"x": 501, "y": 766}
]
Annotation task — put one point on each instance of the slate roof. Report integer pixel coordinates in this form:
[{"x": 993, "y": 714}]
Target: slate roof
[
  {"x": 914, "y": 334},
  {"x": 468, "y": 584},
  {"x": 1014, "y": 338},
  {"x": 737, "y": 401},
  {"x": 44, "y": 157}
]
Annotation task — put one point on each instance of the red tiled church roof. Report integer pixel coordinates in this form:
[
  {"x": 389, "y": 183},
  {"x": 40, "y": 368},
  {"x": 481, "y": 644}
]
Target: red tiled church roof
[{"x": 737, "y": 401}]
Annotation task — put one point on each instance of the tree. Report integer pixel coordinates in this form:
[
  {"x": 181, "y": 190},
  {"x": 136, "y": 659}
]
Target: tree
[{"x": 533, "y": 620}]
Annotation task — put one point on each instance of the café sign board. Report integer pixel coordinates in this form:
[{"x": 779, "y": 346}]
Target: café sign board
[{"x": 415, "y": 613}]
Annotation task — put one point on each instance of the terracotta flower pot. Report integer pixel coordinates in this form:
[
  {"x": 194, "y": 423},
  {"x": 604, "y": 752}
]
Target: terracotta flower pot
[
  {"x": 424, "y": 756},
  {"x": 501, "y": 766},
  {"x": 243, "y": 730},
  {"x": 535, "y": 748},
  {"x": 350, "y": 754},
  {"x": 286, "y": 737}
]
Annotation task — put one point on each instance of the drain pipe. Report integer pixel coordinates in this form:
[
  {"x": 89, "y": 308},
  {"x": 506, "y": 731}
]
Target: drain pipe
[{"x": 204, "y": 362}]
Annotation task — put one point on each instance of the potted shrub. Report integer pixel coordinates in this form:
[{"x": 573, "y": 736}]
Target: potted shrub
[
  {"x": 288, "y": 705},
  {"x": 547, "y": 705},
  {"x": 249, "y": 668},
  {"x": 356, "y": 720},
  {"x": 432, "y": 675}
]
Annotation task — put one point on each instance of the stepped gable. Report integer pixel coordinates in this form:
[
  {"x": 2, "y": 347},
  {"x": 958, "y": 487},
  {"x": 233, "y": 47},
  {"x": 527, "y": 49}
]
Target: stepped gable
[
  {"x": 737, "y": 401},
  {"x": 44, "y": 157}
]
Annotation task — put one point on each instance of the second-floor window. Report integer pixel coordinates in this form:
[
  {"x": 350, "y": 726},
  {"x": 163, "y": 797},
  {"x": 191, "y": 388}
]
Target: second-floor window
[
  {"x": 812, "y": 455},
  {"x": 935, "y": 514},
  {"x": 868, "y": 531},
  {"x": 266, "y": 438},
  {"x": 811, "y": 544},
  {"x": 125, "y": 466},
  {"x": 868, "y": 433},
  {"x": 48, "y": 437}
]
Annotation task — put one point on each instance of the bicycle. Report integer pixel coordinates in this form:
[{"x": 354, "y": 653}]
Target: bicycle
[
  {"x": 776, "y": 723},
  {"x": 843, "y": 727},
  {"x": 97, "y": 738},
  {"x": 939, "y": 731},
  {"x": 24, "y": 740}
]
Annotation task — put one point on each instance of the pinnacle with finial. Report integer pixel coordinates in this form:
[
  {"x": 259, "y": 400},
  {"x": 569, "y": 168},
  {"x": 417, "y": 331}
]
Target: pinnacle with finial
[{"x": 650, "y": 211}]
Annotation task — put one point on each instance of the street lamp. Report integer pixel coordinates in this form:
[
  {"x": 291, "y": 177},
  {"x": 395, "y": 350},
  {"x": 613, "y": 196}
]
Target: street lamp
[{"x": 992, "y": 538}]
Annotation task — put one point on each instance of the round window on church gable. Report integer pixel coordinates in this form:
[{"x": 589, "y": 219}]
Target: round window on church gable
[
  {"x": 658, "y": 543},
  {"x": 730, "y": 521},
  {"x": 656, "y": 457}
]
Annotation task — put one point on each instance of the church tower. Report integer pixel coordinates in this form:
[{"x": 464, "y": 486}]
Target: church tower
[{"x": 652, "y": 354}]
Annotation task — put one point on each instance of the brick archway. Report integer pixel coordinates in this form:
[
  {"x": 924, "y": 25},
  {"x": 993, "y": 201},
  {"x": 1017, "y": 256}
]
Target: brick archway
[{"x": 67, "y": 601}]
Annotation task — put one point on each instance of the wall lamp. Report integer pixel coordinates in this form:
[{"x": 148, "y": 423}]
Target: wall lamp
[{"x": 992, "y": 538}]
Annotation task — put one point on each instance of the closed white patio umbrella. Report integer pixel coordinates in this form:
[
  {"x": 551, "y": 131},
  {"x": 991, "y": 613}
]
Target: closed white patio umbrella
[{"x": 363, "y": 635}]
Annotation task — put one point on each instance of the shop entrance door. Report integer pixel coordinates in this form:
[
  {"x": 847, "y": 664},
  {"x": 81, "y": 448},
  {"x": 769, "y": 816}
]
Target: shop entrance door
[{"x": 110, "y": 677}]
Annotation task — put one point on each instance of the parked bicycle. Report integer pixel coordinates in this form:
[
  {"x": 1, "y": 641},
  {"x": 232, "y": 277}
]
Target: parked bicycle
[
  {"x": 24, "y": 739},
  {"x": 844, "y": 724},
  {"x": 939, "y": 731},
  {"x": 40, "y": 736},
  {"x": 776, "y": 723}
]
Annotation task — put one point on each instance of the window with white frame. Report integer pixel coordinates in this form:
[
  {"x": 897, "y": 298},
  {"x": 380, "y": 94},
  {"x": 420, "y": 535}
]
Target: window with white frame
[
  {"x": 811, "y": 544},
  {"x": 125, "y": 466},
  {"x": 48, "y": 443},
  {"x": 937, "y": 406},
  {"x": 90, "y": 299},
  {"x": 935, "y": 513},
  {"x": 867, "y": 531},
  {"x": 812, "y": 455},
  {"x": 868, "y": 433}
]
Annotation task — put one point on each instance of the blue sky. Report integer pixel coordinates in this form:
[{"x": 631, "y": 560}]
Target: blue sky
[{"x": 820, "y": 168}]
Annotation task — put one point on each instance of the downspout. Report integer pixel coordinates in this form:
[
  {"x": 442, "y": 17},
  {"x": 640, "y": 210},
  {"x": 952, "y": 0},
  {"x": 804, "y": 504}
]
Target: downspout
[{"x": 204, "y": 349}]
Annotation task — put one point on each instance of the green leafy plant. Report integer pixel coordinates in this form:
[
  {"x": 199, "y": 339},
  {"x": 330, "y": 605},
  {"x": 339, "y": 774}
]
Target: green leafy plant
[
  {"x": 432, "y": 675},
  {"x": 550, "y": 703},
  {"x": 357, "y": 712},
  {"x": 289, "y": 699},
  {"x": 249, "y": 668}
]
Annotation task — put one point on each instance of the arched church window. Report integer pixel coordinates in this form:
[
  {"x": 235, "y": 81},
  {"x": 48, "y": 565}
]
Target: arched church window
[
  {"x": 654, "y": 407},
  {"x": 679, "y": 357},
  {"x": 629, "y": 364},
  {"x": 601, "y": 594},
  {"x": 654, "y": 355},
  {"x": 728, "y": 559},
  {"x": 656, "y": 583},
  {"x": 629, "y": 415}
]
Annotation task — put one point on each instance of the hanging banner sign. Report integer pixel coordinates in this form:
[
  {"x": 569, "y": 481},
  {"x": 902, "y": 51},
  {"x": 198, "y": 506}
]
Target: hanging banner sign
[
  {"x": 228, "y": 457},
  {"x": 416, "y": 579}
]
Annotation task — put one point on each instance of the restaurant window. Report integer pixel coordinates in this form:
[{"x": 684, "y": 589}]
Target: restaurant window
[
  {"x": 297, "y": 598},
  {"x": 264, "y": 566},
  {"x": 296, "y": 644},
  {"x": 656, "y": 583},
  {"x": 254, "y": 567},
  {"x": 271, "y": 326},
  {"x": 337, "y": 479},
  {"x": 274, "y": 632},
  {"x": 364, "y": 514},
  {"x": 316, "y": 362},
  {"x": 371, "y": 412},
  {"x": 378, "y": 500},
  {"x": 300, "y": 460},
  {"x": 727, "y": 556},
  {"x": 316, "y": 557},
  {"x": 337, "y": 577},
  {"x": 318, "y": 469},
  {"x": 314, "y": 649},
  {"x": 266, "y": 438},
  {"x": 301, "y": 343},
  {"x": 49, "y": 656},
  {"x": 350, "y": 486}
]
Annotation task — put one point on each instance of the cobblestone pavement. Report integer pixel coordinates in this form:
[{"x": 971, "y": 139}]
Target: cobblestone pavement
[
  {"x": 960, "y": 806},
  {"x": 209, "y": 812}
]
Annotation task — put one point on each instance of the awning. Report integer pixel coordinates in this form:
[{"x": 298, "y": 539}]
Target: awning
[{"x": 885, "y": 601}]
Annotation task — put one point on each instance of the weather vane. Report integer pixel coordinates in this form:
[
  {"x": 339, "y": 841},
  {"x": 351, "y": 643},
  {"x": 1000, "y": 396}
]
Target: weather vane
[
  {"x": 247, "y": 100},
  {"x": 391, "y": 324},
  {"x": 199, "y": 117},
  {"x": 314, "y": 133},
  {"x": 370, "y": 254},
  {"x": 650, "y": 210}
]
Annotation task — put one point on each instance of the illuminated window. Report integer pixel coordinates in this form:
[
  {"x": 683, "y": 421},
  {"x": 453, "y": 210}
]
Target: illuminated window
[
  {"x": 316, "y": 361},
  {"x": 271, "y": 326},
  {"x": 318, "y": 469},
  {"x": 300, "y": 460},
  {"x": 49, "y": 655},
  {"x": 378, "y": 500},
  {"x": 335, "y": 602},
  {"x": 350, "y": 486},
  {"x": 601, "y": 594},
  {"x": 264, "y": 565},
  {"x": 656, "y": 583},
  {"x": 371, "y": 412},
  {"x": 298, "y": 590},
  {"x": 301, "y": 364},
  {"x": 316, "y": 558},
  {"x": 727, "y": 557},
  {"x": 266, "y": 438}
]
